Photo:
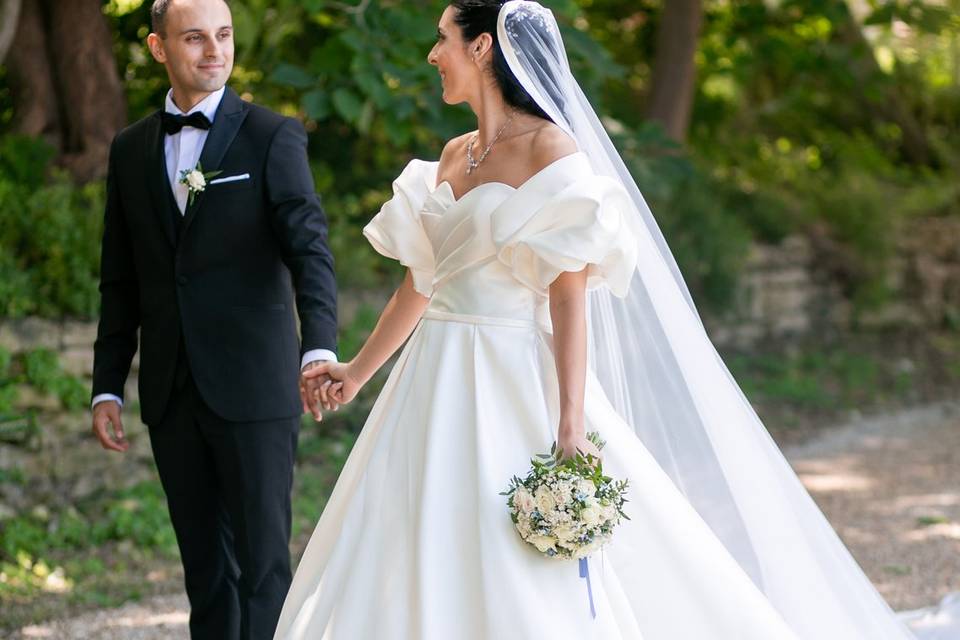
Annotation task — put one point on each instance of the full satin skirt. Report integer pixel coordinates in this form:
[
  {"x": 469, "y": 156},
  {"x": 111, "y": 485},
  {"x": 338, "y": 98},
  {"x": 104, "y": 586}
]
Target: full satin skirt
[{"x": 417, "y": 544}]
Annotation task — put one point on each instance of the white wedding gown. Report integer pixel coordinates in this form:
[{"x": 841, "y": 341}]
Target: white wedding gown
[{"x": 416, "y": 542}]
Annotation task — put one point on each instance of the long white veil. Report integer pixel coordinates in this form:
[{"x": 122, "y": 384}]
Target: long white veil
[{"x": 663, "y": 375}]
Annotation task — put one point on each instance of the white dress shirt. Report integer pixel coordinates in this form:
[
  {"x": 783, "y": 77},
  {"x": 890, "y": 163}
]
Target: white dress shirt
[{"x": 181, "y": 152}]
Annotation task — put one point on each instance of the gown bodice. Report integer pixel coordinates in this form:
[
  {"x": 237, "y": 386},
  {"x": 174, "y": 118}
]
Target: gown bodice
[{"x": 494, "y": 251}]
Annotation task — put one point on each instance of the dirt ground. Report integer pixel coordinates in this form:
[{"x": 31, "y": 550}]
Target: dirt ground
[{"x": 889, "y": 484}]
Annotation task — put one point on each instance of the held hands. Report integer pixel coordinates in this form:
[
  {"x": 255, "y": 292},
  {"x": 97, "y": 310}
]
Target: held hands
[
  {"x": 328, "y": 385},
  {"x": 314, "y": 391},
  {"x": 106, "y": 417}
]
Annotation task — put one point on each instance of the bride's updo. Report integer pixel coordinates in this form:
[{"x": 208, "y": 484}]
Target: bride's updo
[{"x": 476, "y": 17}]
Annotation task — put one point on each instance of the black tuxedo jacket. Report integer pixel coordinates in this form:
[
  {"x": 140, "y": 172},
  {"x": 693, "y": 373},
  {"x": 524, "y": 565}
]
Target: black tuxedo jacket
[{"x": 223, "y": 277}]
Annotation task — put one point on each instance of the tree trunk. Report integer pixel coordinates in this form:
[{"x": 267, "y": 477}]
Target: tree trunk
[
  {"x": 92, "y": 101},
  {"x": 674, "y": 71},
  {"x": 32, "y": 85},
  {"x": 9, "y": 16},
  {"x": 66, "y": 87}
]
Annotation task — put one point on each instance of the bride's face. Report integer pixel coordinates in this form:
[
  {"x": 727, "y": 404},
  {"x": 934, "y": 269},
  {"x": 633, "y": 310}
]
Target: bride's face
[{"x": 456, "y": 60}]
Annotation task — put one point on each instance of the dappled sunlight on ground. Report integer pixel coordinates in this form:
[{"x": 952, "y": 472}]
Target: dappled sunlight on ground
[
  {"x": 891, "y": 489},
  {"x": 165, "y": 617}
]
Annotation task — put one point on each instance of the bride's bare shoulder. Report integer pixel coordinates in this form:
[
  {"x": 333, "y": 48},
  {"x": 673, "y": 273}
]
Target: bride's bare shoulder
[
  {"x": 549, "y": 144},
  {"x": 453, "y": 151}
]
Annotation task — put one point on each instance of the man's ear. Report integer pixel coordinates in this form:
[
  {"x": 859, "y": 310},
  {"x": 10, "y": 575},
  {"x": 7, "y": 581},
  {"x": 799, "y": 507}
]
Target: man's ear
[{"x": 155, "y": 44}]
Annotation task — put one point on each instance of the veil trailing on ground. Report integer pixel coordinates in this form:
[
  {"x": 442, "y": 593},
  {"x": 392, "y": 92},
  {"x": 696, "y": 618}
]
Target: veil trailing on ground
[{"x": 663, "y": 375}]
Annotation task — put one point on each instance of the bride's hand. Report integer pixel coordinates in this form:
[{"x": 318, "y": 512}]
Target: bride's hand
[
  {"x": 573, "y": 440},
  {"x": 343, "y": 384}
]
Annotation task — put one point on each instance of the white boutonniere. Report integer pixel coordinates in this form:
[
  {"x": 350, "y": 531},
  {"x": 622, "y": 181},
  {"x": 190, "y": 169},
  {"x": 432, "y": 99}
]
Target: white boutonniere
[{"x": 196, "y": 181}]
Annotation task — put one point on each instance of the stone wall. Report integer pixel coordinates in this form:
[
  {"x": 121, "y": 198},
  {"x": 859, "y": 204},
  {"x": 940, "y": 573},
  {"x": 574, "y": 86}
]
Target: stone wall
[
  {"x": 787, "y": 291},
  {"x": 793, "y": 290}
]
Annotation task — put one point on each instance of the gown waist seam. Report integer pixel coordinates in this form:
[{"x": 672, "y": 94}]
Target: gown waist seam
[{"x": 448, "y": 316}]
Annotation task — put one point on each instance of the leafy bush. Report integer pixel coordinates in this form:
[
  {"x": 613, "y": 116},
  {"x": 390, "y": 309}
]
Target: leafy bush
[
  {"x": 49, "y": 235},
  {"x": 695, "y": 212},
  {"x": 41, "y": 370}
]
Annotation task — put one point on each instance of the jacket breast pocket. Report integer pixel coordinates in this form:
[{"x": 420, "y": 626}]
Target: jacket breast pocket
[{"x": 231, "y": 184}]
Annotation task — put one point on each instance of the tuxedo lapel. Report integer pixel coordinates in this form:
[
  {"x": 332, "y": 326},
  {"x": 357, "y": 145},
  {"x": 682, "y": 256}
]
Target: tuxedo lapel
[
  {"x": 226, "y": 124},
  {"x": 157, "y": 178}
]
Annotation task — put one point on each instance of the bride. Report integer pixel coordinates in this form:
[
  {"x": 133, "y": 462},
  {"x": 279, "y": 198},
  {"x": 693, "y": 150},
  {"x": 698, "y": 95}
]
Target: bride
[{"x": 540, "y": 303}]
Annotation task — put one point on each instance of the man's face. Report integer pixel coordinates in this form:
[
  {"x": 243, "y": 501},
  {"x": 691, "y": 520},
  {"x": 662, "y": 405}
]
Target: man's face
[{"x": 198, "y": 45}]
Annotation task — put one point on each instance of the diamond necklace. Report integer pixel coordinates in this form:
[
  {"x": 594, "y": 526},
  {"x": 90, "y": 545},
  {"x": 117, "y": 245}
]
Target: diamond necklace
[{"x": 473, "y": 164}]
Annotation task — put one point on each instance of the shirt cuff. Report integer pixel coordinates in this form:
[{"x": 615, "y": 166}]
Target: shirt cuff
[
  {"x": 317, "y": 354},
  {"x": 104, "y": 397}
]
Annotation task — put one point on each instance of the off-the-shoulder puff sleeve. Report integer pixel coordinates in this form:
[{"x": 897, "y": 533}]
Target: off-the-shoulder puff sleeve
[
  {"x": 582, "y": 226},
  {"x": 396, "y": 231}
]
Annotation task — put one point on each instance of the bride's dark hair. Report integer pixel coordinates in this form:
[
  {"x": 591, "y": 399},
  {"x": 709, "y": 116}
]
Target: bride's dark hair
[{"x": 476, "y": 17}]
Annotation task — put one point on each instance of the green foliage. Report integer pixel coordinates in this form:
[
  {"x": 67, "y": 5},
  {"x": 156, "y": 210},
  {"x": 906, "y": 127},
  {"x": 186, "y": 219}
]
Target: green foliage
[
  {"x": 929, "y": 521},
  {"x": 353, "y": 336},
  {"x": 44, "y": 552},
  {"x": 138, "y": 514},
  {"x": 7, "y": 390},
  {"x": 49, "y": 235},
  {"x": 700, "y": 216},
  {"x": 791, "y": 130},
  {"x": 321, "y": 454},
  {"x": 813, "y": 379},
  {"x": 42, "y": 370}
]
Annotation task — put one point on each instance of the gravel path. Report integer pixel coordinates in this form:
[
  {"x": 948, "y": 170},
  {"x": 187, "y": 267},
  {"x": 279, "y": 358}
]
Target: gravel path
[
  {"x": 891, "y": 488},
  {"x": 890, "y": 485},
  {"x": 161, "y": 618}
]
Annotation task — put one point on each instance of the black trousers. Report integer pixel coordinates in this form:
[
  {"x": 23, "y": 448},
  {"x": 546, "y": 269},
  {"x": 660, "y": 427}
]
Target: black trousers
[{"x": 228, "y": 489}]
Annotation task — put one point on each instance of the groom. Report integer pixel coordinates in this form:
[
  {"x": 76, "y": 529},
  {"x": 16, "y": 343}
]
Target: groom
[{"x": 208, "y": 277}]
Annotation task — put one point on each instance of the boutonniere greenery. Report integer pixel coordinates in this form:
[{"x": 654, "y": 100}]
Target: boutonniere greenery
[{"x": 196, "y": 181}]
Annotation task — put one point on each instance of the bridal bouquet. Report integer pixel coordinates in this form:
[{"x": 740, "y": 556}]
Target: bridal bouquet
[{"x": 566, "y": 508}]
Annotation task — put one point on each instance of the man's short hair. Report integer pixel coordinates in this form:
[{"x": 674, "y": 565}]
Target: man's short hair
[{"x": 158, "y": 16}]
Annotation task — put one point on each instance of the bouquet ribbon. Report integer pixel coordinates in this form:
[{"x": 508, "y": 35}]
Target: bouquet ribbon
[{"x": 585, "y": 574}]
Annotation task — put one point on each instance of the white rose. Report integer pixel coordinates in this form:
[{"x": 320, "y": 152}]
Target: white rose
[
  {"x": 544, "y": 500},
  {"x": 196, "y": 181},
  {"x": 591, "y": 516},
  {"x": 609, "y": 513},
  {"x": 523, "y": 501},
  {"x": 566, "y": 533},
  {"x": 524, "y": 528},
  {"x": 543, "y": 543}
]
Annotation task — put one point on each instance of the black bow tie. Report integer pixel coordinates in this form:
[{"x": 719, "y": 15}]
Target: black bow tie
[{"x": 172, "y": 123}]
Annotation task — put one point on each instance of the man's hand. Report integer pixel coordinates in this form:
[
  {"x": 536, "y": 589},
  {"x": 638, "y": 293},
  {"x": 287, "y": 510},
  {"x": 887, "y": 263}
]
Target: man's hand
[
  {"x": 314, "y": 391},
  {"x": 106, "y": 416},
  {"x": 342, "y": 387}
]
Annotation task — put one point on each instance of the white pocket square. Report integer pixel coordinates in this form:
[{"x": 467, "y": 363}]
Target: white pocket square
[{"x": 244, "y": 176}]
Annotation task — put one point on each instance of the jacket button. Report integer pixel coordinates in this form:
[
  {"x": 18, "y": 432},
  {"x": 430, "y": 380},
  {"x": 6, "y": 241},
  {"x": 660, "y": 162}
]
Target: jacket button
[{"x": 182, "y": 280}]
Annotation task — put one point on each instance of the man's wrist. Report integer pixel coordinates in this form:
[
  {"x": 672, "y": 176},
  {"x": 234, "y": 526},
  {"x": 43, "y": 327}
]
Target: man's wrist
[
  {"x": 317, "y": 355},
  {"x": 106, "y": 397}
]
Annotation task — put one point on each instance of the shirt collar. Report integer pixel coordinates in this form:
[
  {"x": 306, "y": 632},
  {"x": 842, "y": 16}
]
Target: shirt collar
[{"x": 208, "y": 105}]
